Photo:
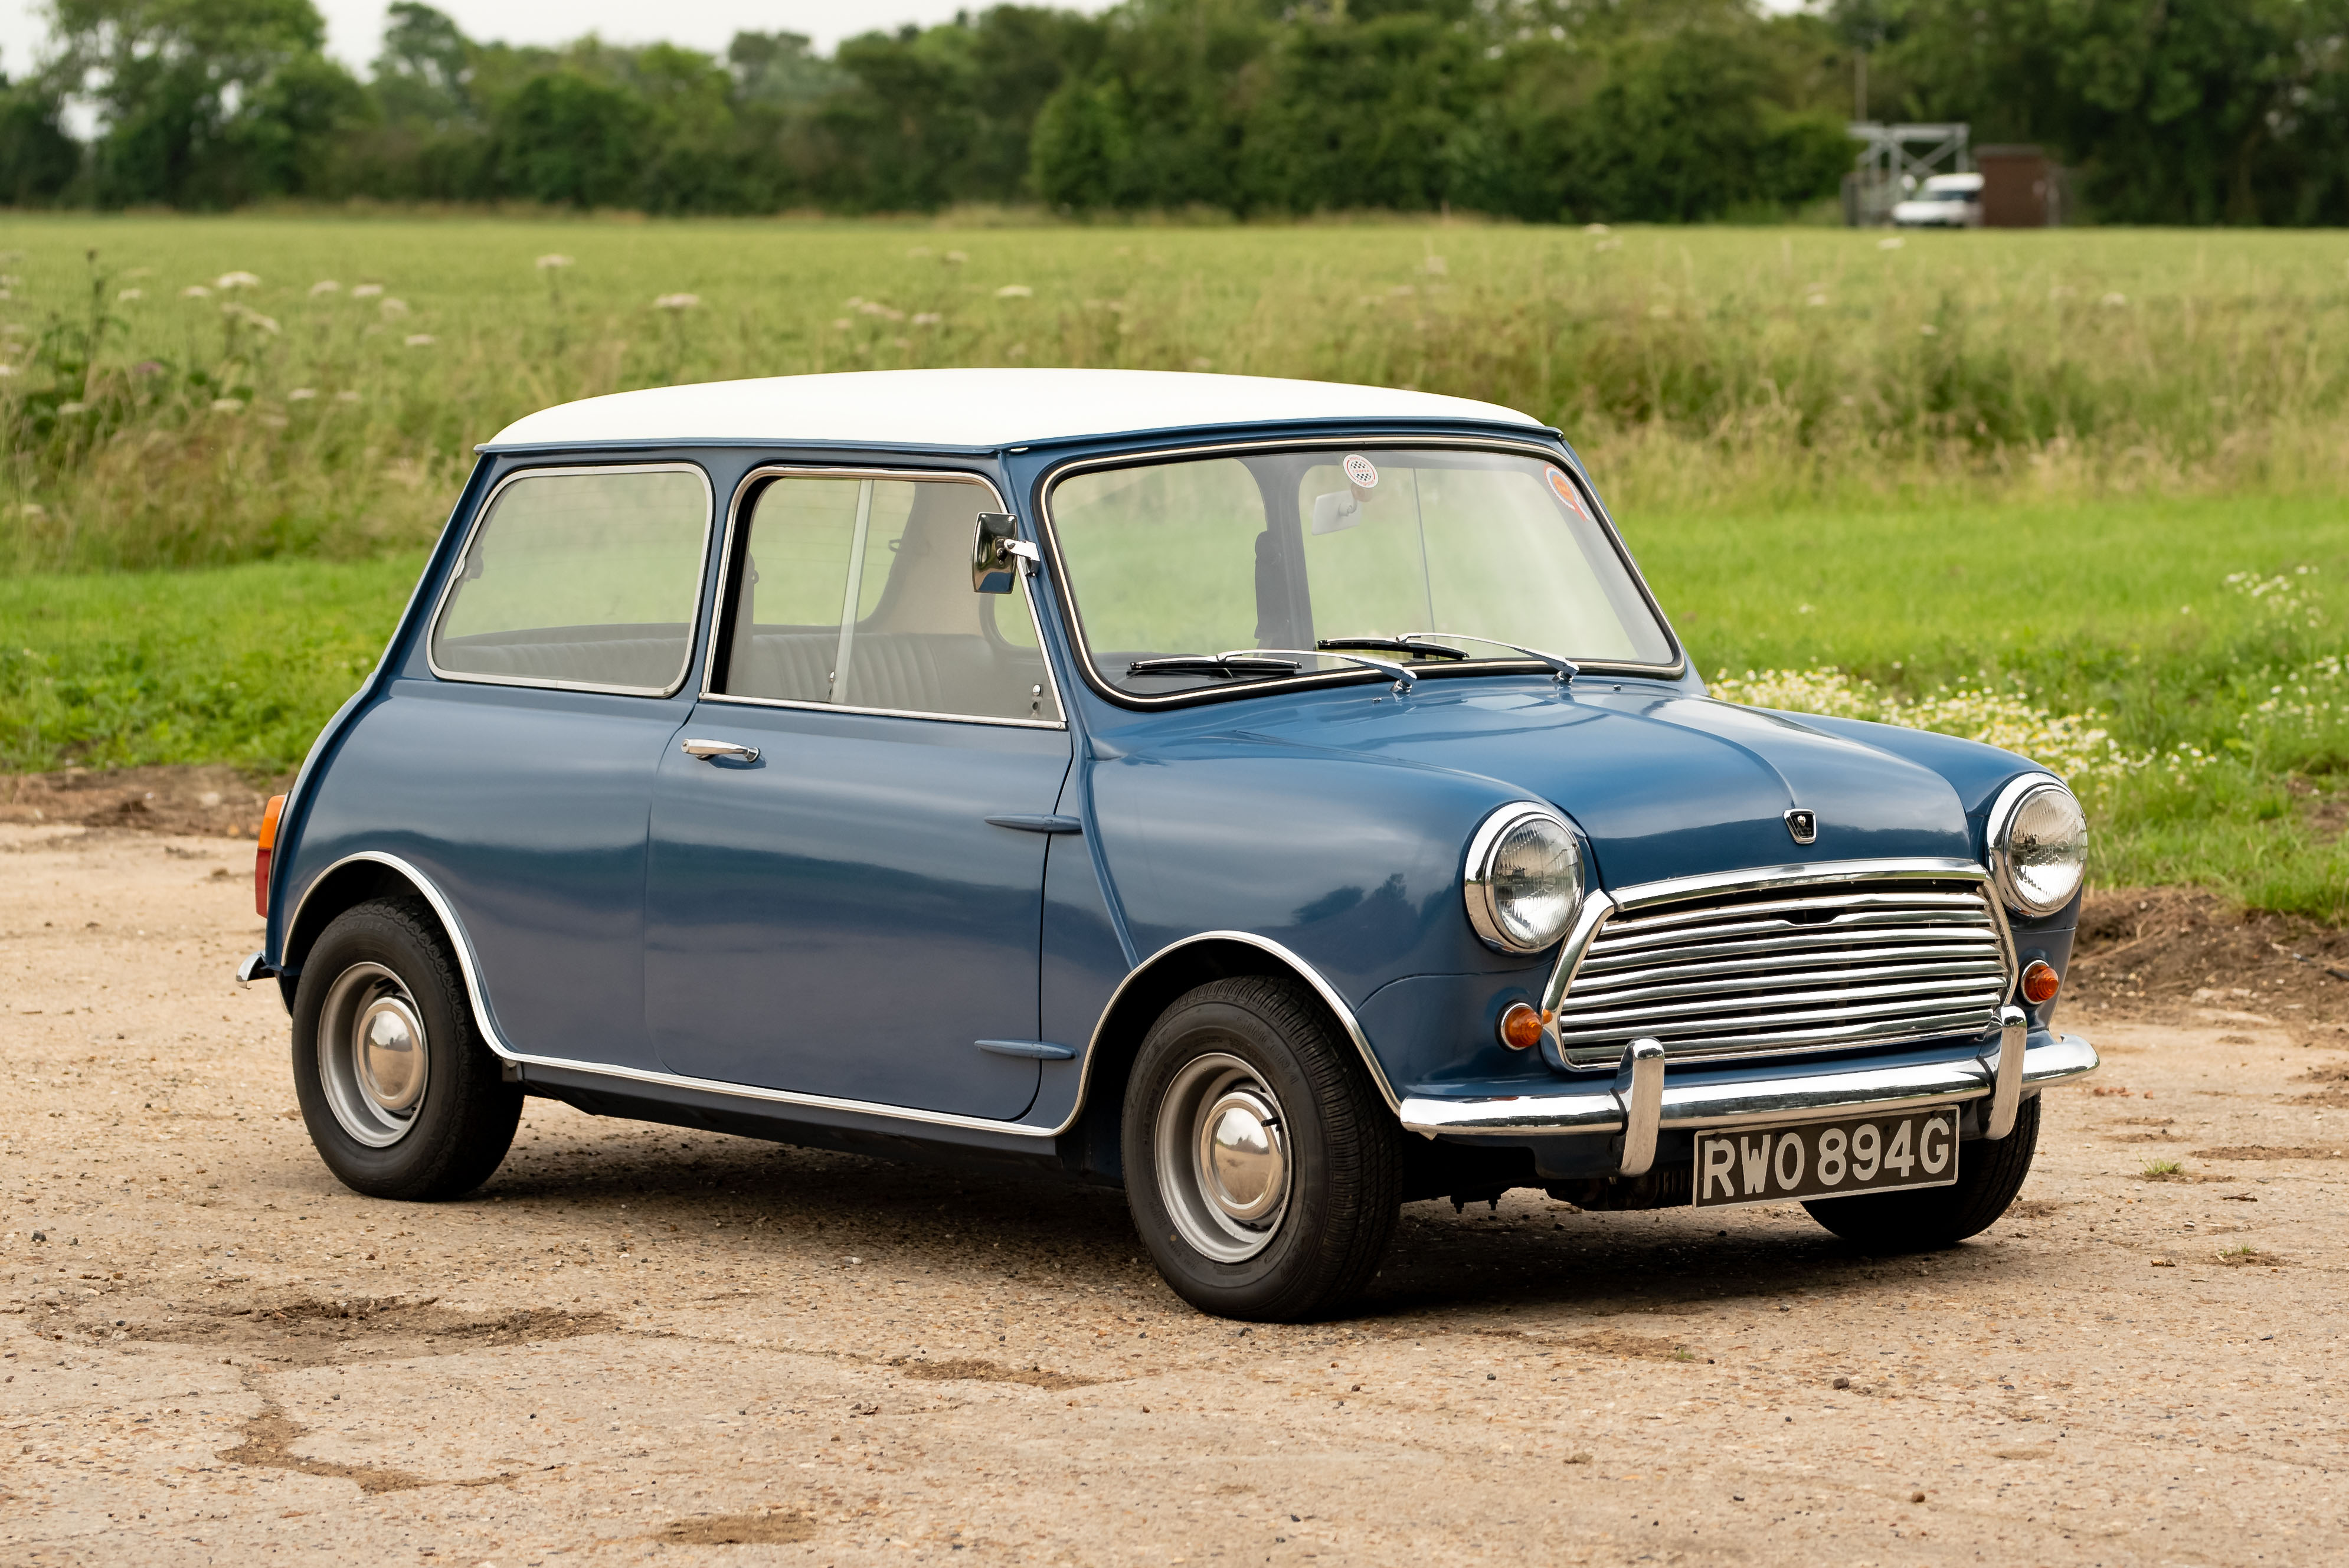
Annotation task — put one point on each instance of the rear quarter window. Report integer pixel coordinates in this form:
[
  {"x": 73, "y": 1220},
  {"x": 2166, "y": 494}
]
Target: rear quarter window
[{"x": 580, "y": 579}]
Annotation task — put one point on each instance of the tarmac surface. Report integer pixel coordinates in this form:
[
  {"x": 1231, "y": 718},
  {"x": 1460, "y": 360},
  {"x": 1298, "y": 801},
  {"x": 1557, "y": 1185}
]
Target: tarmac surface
[{"x": 642, "y": 1344}]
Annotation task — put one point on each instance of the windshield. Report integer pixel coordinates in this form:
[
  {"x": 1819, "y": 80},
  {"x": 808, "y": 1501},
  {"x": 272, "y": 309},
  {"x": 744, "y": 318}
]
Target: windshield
[{"x": 1288, "y": 556}]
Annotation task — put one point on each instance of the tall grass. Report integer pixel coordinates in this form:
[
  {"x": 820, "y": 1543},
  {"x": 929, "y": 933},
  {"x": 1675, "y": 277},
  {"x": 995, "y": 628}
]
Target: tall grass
[{"x": 142, "y": 424}]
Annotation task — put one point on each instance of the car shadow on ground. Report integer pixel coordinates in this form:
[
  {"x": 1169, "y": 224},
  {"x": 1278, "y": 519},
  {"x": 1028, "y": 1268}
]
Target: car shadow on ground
[{"x": 1527, "y": 1253}]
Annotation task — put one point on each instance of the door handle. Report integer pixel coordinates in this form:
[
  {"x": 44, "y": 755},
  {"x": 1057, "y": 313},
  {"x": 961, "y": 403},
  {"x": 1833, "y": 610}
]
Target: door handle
[{"x": 711, "y": 750}]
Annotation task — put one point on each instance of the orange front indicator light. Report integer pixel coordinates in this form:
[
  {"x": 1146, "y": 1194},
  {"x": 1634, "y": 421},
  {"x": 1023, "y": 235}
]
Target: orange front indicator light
[
  {"x": 2040, "y": 982},
  {"x": 266, "y": 841},
  {"x": 1521, "y": 1027}
]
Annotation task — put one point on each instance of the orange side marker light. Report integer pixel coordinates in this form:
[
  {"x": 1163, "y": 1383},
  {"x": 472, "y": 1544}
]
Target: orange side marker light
[
  {"x": 2040, "y": 982},
  {"x": 1521, "y": 1027},
  {"x": 265, "y": 841}
]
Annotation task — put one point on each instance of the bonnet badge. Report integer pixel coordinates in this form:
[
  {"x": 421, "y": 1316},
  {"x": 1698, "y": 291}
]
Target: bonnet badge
[{"x": 1804, "y": 825}]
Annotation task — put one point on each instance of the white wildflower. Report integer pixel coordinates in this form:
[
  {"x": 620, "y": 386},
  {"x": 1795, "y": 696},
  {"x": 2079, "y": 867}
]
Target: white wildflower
[
  {"x": 7, "y": 370},
  {"x": 324, "y": 286},
  {"x": 128, "y": 294},
  {"x": 1595, "y": 229},
  {"x": 420, "y": 340},
  {"x": 228, "y": 406},
  {"x": 391, "y": 308},
  {"x": 1434, "y": 266},
  {"x": 347, "y": 396},
  {"x": 236, "y": 280},
  {"x": 195, "y": 291},
  {"x": 1202, "y": 362},
  {"x": 1014, "y": 291},
  {"x": 73, "y": 408},
  {"x": 927, "y": 318},
  {"x": 1612, "y": 243},
  {"x": 842, "y": 324},
  {"x": 367, "y": 290},
  {"x": 552, "y": 260},
  {"x": 2114, "y": 301},
  {"x": 918, "y": 254},
  {"x": 1929, "y": 330},
  {"x": 1893, "y": 243},
  {"x": 677, "y": 302},
  {"x": 956, "y": 258},
  {"x": 301, "y": 394},
  {"x": 1816, "y": 299}
]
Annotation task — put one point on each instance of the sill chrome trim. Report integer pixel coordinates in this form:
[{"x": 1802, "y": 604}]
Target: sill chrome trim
[
  {"x": 1750, "y": 1102},
  {"x": 504, "y": 1051},
  {"x": 473, "y": 532}
]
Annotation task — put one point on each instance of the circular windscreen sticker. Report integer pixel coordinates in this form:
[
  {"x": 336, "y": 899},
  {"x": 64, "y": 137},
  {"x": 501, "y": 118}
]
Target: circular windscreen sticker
[
  {"x": 1563, "y": 488},
  {"x": 1359, "y": 473}
]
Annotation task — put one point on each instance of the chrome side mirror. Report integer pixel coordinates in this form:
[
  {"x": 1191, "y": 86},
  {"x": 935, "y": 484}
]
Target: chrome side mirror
[{"x": 992, "y": 551}]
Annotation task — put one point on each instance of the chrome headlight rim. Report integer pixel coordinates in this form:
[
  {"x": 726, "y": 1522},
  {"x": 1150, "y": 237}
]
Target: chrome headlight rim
[
  {"x": 2001, "y": 827},
  {"x": 1483, "y": 896}
]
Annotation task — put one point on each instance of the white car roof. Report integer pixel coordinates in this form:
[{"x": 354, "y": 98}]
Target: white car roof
[{"x": 975, "y": 409}]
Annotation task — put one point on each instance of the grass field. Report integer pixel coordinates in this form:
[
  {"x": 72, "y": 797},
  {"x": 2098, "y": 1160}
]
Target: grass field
[
  {"x": 329, "y": 405},
  {"x": 2226, "y": 710},
  {"x": 2025, "y": 486}
]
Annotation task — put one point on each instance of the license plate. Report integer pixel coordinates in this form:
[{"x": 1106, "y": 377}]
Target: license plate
[{"x": 1827, "y": 1159}]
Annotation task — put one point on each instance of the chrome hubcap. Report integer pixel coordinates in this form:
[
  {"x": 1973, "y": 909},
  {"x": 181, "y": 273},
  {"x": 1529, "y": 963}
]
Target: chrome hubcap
[
  {"x": 372, "y": 1056},
  {"x": 1223, "y": 1158}
]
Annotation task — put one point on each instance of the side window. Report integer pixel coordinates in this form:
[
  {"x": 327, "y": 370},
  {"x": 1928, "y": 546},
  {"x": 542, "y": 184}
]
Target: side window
[
  {"x": 856, "y": 594},
  {"x": 580, "y": 579}
]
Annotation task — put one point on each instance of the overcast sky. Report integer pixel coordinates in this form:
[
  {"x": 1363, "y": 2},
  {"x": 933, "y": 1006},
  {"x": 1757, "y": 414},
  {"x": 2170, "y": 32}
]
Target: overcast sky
[{"x": 355, "y": 27}]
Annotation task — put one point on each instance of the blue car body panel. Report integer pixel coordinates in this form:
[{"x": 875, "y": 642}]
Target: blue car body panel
[{"x": 832, "y": 930}]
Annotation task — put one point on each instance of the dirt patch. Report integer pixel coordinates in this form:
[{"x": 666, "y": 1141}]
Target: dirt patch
[
  {"x": 780, "y": 1528},
  {"x": 2038, "y": 1208},
  {"x": 269, "y": 1441},
  {"x": 310, "y": 1333},
  {"x": 2266, "y": 1151},
  {"x": 2247, "y": 1257},
  {"x": 178, "y": 800},
  {"x": 2165, "y": 954},
  {"x": 1615, "y": 1342},
  {"x": 2024, "y": 1453},
  {"x": 972, "y": 1371}
]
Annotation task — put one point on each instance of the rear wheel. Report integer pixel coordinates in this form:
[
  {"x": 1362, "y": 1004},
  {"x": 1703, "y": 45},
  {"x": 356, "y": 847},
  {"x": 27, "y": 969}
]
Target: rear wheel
[
  {"x": 402, "y": 1097},
  {"x": 1989, "y": 1176},
  {"x": 1261, "y": 1166}
]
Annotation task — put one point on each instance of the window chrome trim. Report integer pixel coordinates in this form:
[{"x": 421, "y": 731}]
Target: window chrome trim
[
  {"x": 473, "y": 532},
  {"x": 835, "y": 471},
  {"x": 1053, "y": 478},
  {"x": 1599, "y": 906},
  {"x": 2000, "y": 822}
]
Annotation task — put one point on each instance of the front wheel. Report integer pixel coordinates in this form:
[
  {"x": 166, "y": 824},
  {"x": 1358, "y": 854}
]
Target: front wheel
[
  {"x": 1989, "y": 1176},
  {"x": 1261, "y": 1166},
  {"x": 402, "y": 1097}
]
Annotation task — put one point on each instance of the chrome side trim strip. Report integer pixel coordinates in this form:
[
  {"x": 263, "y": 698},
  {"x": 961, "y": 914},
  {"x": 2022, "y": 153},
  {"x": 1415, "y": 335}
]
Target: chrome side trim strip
[
  {"x": 504, "y": 1050},
  {"x": 1752, "y": 1102}
]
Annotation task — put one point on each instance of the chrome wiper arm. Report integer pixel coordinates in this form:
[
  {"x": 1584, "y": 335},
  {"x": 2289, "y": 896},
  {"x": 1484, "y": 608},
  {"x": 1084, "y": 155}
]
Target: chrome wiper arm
[
  {"x": 1563, "y": 669},
  {"x": 1401, "y": 674},
  {"x": 1244, "y": 663}
]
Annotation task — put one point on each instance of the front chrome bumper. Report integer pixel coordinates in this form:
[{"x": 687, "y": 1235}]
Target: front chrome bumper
[{"x": 1621, "y": 1106}]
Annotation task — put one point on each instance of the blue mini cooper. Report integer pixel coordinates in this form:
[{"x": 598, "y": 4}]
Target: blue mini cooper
[{"x": 1284, "y": 800}]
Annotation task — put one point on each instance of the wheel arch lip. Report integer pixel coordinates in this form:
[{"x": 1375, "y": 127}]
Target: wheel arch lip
[{"x": 485, "y": 1021}]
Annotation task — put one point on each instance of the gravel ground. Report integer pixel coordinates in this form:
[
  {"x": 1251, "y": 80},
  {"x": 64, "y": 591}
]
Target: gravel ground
[{"x": 638, "y": 1343}]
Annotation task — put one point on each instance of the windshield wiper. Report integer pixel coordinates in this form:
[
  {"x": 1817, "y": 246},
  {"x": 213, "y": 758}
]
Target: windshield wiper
[
  {"x": 1265, "y": 662},
  {"x": 1562, "y": 670},
  {"x": 1237, "y": 664}
]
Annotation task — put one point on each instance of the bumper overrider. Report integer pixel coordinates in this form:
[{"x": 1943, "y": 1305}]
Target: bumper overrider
[{"x": 1725, "y": 979}]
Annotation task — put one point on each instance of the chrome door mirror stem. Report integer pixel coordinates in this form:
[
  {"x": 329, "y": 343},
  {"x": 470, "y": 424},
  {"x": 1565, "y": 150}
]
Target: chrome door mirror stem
[
  {"x": 1639, "y": 1090},
  {"x": 993, "y": 549},
  {"x": 2006, "y": 1080}
]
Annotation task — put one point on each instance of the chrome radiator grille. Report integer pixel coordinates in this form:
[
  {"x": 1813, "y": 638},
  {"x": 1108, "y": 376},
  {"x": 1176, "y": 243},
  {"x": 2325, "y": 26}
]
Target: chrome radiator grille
[{"x": 1855, "y": 963}]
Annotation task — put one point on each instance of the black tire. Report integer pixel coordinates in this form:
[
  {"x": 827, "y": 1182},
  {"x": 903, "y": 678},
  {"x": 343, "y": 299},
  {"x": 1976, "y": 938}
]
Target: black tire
[
  {"x": 386, "y": 966},
  {"x": 1239, "y": 1043},
  {"x": 1989, "y": 1176}
]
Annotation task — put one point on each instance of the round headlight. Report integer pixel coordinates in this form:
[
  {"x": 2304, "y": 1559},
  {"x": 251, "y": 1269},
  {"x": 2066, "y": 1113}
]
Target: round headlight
[
  {"x": 1525, "y": 879},
  {"x": 2038, "y": 845}
]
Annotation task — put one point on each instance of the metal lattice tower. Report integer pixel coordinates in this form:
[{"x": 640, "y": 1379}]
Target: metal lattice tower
[{"x": 1887, "y": 170}]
